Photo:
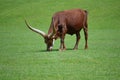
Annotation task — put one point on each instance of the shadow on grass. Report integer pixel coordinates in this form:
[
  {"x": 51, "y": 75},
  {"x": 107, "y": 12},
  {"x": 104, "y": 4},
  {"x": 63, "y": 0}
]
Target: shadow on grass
[
  {"x": 54, "y": 50},
  {"x": 40, "y": 51},
  {"x": 49, "y": 51}
]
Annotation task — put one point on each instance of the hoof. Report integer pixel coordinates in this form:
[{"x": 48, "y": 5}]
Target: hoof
[
  {"x": 62, "y": 49},
  {"x": 75, "y": 48},
  {"x": 86, "y": 48}
]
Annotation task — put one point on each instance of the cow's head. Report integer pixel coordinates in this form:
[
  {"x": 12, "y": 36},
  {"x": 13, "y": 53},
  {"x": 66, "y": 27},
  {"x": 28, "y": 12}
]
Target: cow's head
[{"x": 49, "y": 38}]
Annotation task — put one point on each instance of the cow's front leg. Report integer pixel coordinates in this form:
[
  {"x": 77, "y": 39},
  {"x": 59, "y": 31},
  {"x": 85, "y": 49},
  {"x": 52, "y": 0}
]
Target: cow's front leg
[{"x": 62, "y": 45}]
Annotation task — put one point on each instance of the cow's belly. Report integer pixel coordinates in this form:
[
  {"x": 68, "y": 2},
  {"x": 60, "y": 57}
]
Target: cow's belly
[{"x": 73, "y": 30}]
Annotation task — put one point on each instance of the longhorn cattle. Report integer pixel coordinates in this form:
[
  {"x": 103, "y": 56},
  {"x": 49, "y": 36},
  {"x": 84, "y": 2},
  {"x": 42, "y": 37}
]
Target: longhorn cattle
[{"x": 65, "y": 22}]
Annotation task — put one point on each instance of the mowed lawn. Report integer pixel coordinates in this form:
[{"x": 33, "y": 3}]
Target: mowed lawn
[{"x": 23, "y": 55}]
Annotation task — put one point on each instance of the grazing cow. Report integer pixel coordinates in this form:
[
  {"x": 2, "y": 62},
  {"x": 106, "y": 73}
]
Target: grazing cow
[{"x": 65, "y": 22}]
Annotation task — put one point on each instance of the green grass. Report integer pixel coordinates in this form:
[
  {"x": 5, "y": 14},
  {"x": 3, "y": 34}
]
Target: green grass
[{"x": 23, "y": 55}]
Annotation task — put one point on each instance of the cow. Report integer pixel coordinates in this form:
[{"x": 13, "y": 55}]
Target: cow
[{"x": 65, "y": 22}]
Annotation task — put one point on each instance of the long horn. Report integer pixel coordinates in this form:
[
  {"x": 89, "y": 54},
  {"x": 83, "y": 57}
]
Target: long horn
[{"x": 35, "y": 30}]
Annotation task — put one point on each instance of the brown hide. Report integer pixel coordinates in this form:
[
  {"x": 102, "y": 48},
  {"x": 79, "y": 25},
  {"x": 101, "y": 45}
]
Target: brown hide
[{"x": 70, "y": 22}]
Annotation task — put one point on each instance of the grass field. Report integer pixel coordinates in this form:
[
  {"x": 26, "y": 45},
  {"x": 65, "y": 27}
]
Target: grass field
[{"x": 23, "y": 55}]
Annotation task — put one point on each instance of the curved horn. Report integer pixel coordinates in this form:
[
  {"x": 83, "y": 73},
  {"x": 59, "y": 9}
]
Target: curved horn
[{"x": 35, "y": 30}]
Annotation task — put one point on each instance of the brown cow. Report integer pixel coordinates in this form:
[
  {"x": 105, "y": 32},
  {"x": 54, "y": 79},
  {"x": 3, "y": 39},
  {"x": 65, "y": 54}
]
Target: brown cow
[{"x": 68, "y": 21}]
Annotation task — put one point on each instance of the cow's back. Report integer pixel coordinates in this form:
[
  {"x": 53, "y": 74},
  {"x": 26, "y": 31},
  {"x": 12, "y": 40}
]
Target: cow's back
[{"x": 73, "y": 19}]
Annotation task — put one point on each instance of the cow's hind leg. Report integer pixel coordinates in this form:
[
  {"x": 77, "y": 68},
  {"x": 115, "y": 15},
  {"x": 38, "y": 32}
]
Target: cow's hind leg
[
  {"x": 77, "y": 41},
  {"x": 85, "y": 28},
  {"x": 86, "y": 36}
]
